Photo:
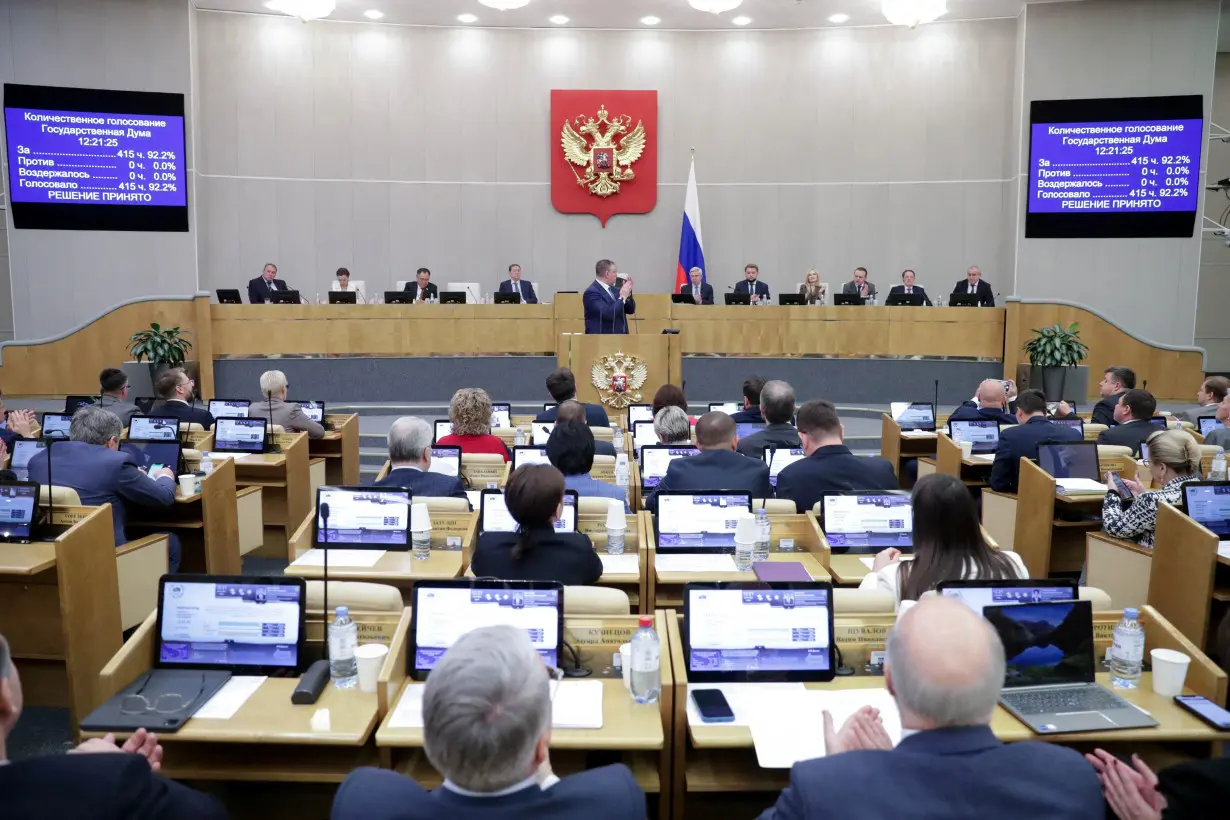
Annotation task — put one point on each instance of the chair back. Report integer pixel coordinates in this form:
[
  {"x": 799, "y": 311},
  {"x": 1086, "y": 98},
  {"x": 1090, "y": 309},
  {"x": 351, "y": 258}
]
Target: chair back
[
  {"x": 593, "y": 505},
  {"x": 862, "y": 602},
  {"x": 444, "y": 504},
  {"x": 775, "y": 506},
  {"x": 1092, "y": 431},
  {"x": 61, "y": 495},
  {"x": 579, "y": 600},
  {"x": 358, "y": 595}
]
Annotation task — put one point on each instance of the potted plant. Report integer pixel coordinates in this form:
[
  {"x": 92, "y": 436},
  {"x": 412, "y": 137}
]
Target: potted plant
[
  {"x": 163, "y": 348},
  {"x": 1054, "y": 353}
]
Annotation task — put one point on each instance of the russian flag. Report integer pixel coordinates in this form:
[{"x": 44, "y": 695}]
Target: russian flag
[{"x": 691, "y": 252}]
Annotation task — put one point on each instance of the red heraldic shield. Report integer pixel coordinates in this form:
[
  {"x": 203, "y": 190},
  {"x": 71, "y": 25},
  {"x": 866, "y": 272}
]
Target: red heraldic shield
[{"x": 604, "y": 152}]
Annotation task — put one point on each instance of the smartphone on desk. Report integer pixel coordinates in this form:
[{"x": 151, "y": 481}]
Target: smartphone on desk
[
  {"x": 712, "y": 706},
  {"x": 1206, "y": 710}
]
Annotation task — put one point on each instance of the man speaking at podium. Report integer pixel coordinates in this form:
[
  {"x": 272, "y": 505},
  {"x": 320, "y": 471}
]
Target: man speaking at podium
[{"x": 608, "y": 306}]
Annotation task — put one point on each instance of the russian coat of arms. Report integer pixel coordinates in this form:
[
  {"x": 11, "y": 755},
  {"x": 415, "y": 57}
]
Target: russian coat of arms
[
  {"x": 618, "y": 378},
  {"x": 605, "y": 148}
]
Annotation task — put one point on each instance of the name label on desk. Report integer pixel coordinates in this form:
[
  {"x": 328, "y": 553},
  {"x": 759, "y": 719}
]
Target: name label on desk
[
  {"x": 70, "y": 518},
  {"x": 482, "y": 473},
  {"x": 454, "y": 526},
  {"x": 284, "y": 440},
  {"x": 861, "y": 633},
  {"x": 598, "y": 635},
  {"x": 369, "y": 631}
]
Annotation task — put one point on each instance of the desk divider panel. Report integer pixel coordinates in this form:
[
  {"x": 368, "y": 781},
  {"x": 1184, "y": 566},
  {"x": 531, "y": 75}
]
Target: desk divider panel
[
  {"x": 1181, "y": 578},
  {"x": 1035, "y": 512}
]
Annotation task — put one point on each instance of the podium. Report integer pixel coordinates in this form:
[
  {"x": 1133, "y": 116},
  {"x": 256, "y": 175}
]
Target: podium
[{"x": 660, "y": 355}]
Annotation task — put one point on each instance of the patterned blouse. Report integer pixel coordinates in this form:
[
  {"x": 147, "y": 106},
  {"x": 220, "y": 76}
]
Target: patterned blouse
[{"x": 1137, "y": 520}]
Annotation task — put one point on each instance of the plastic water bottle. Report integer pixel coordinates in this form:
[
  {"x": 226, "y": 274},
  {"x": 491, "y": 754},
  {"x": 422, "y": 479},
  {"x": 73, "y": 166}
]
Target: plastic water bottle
[
  {"x": 743, "y": 555},
  {"x": 343, "y": 639},
  {"x": 621, "y": 473},
  {"x": 1127, "y": 652},
  {"x": 207, "y": 464},
  {"x": 615, "y": 540},
  {"x": 1218, "y": 470},
  {"x": 617, "y": 437},
  {"x": 646, "y": 663},
  {"x": 518, "y": 437},
  {"x": 421, "y": 542},
  {"x": 760, "y": 551}
]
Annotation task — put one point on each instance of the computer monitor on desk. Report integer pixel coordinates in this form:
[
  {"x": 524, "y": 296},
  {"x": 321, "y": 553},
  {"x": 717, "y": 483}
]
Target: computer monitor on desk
[
  {"x": 1208, "y": 424},
  {"x": 865, "y": 522},
  {"x": 657, "y": 458},
  {"x": 639, "y": 412},
  {"x": 229, "y": 408},
  {"x": 1070, "y": 459},
  {"x": 495, "y": 517},
  {"x": 1076, "y": 424},
  {"x": 285, "y": 297},
  {"x": 153, "y": 428},
  {"x": 689, "y": 521},
  {"x": 56, "y": 425},
  {"x": 445, "y": 460},
  {"x": 790, "y": 299},
  {"x": 18, "y": 501},
  {"x": 343, "y": 297},
  {"x": 983, "y": 434},
  {"x": 978, "y": 594},
  {"x": 904, "y": 299},
  {"x": 744, "y": 429},
  {"x": 778, "y": 458},
  {"x": 508, "y": 298},
  {"x": 738, "y": 299},
  {"x": 913, "y": 415},
  {"x": 398, "y": 297},
  {"x": 24, "y": 450},
  {"x": 529, "y": 454},
  {"x": 962, "y": 300},
  {"x": 443, "y": 427},
  {"x": 501, "y": 415},
  {"x": 1208, "y": 504},
  {"x": 240, "y": 435},
  {"x": 362, "y": 518},
  {"x": 152, "y": 456},
  {"x": 315, "y": 410},
  {"x": 848, "y": 299},
  {"x": 727, "y": 407}
]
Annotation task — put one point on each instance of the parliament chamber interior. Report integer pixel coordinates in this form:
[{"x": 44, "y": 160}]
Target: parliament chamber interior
[{"x": 385, "y": 433}]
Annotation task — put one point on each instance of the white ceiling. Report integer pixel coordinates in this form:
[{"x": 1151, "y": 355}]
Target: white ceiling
[{"x": 674, "y": 14}]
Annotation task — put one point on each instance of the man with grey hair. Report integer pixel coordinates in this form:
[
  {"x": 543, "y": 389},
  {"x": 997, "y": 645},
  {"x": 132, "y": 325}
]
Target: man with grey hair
[
  {"x": 92, "y": 463},
  {"x": 487, "y": 729},
  {"x": 672, "y": 426},
  {"x": 274, "y": 407},
  {"x": 777, "y": 407},
  {"x": 98, "y": 780},
  {"x": 974, "y": 285},
  {"x": 945, "y": 669},
  {"x": 697, "y": 290},
  {"x": 410, "y": 462}
]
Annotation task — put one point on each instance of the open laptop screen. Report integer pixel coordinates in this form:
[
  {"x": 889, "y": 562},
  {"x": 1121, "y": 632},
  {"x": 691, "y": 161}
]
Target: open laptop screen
[
  {"x": 17, "y": 504},
  {"x": 443, "y": 428},
  {"x": 1073, "y": 459},
  {"x": 639, "y": 412},
  {"x": 913, "y": 415},
  {"x": 1208, "y": 504},
  {"x": 869, "y": 521},
  {"x": 23, "y": 451},
  {"x": 643, "y": 434},
  {"x": 979, "y": 594},
  {"x": 655, "y": 460},
  {"x": 727, "y": 407},
  {"x": 1076, "y": 424},
  {"x": 229, "y": 408},
  {"x": 445, "y": 460},
  {"x": 744, "y": 429},
  {"x": 153, "y": 428},
  {"x": 1046, "y": 643},
  {"x": 780, "y": 458},
  {"x": 541, "y": 431},
  {"x": 501, "y": 415},
  {"x": 152, "y": 456},
  {"x": 529, "y": 454},
  {"x": 496, "y": 517},
  {"x": 706, "y": 520},
  {"x": 982, "y": 433},
  {"x": 55, "y": 425},
  {"x": 371, "y": 517},
  {"x": 239, "y": 435},
  {"x": 315, "y": 410},
  {"x": 444, "y": 611},
  {"x": 1208, "y": 424}
]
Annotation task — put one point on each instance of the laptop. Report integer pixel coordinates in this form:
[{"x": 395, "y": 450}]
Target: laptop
[
  {"x": 727, "y": 407},
  {"x": 55, "y": 425},
  {"x": 398, "y": 297},
  {"x": 790, "y": 299},
  {"x": 738, "y": 298},
  {"x": 18, "y": 501},
  {"x": 656, "y": 458},
  {"x": 74, "y": 403},
  {"x": 1049, "y": 680},
  {"x": 778, "y": 458},
  {"x": 847, "y": 299},
  {"x": 501, "y": 415},
  {"x": 452, "y": 297},
  {"x": 1205, "y": 502},
  {"x": 742, "y": 631},
  {"x": 443, "y": 428},
  {"x": 905, "y": 299},
  {"x": 443, "y": 611},
  {"x": 982, "y": 433},
  {"x": 1076, "y": 424},
  {"x": 529, "y": 454},
  {"x": 977, "y": 594},
  {"x": 639, "y": 412},
  {"x": 375, "y": 518},
  {"x": 229, "y": 408},
  {"x": 541, "y": 432},
  {"x": 962, "y": 300},
  {"x": 315, "y": 410},
  {"x": 284, "y": 297},
  {"x": 643, "y": 434},
  {"x": 152, "y": 456},
  {"x": 913, "y": 415},
  {"x": 495, "y": 516},
  {"x": 445, "y": 460},
  {"x": 24, "y": 450},
  {"x": 1070, "y": 459},
  {"x": 749, "y": 428},
  {"x": 1208, "y": 424},
  {"x": 508, "y": 298},
  {"x": 689, "y": 521},
  {"x": 229, "y": 296},
  {"x": 239, "y": 435},
  {"x": 343, "y": 297},
  {"x": 867, "y": 522},
  {"x": 153, "y": 428},
  {"x": 1158, "y": 421}
]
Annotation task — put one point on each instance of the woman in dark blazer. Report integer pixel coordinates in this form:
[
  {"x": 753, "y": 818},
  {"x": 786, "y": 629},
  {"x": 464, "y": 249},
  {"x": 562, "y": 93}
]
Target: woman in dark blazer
[{"x": 536, "y": 552}]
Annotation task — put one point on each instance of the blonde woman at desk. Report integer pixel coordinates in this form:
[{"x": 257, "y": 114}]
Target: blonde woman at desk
[
  {"x": 811, "y": 289},
  {"x": 1174, "y": 459},
  {"x": 948, "y": 545}
]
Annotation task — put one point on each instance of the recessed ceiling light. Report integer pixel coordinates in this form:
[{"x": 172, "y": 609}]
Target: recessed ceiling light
[
  {"x": 559, "y": 19},
  {"x": 651, "y": 20},
  {"x": 373, "y": 14},
  {"x": 839, "y": 18},
  {"x": 466, "y": 18},
  {"x": 741, "y": 21}
]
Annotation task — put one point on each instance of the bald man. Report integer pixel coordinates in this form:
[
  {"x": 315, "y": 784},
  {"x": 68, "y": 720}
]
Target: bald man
[
  {"x": 718, "y": 467},
  {"x": 991, "y": 402},
  {"x": 945, "y": 669}
]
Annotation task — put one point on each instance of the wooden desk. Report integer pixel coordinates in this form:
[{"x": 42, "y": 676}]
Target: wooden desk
[
  {"x": 634, "y": 544},
  {"x": 285, "y": 492},
  {"x": 974, "y": 472},
  {"x": 339, "y": 448},
  {"x": 899, "y": 448},
  {"x": 631, "y": 733},
  {"x": 206, "y": 523}
]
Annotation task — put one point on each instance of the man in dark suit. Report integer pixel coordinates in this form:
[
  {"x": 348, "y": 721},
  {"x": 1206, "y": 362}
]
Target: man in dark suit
[
  {"x": 260, "y": 288},
  {"x": 562, "y": 386},
  {"x": 750, "y": 414},
  {"x": 573, "y": 410},
  {"x": 490, "y": 692},
  {"x": 860, "y": 286},
  {"x": 777, "y": 407},
  {"x": 1115, "y": 382},
  {"x": 697, "y": 289},
  {"x": 908, "y": 287},
  {"x": 1133, "y": 427},
  {"x": 421, "y": 289},
  {"x": 718, "y": 466},
  {"x": 92, "y": 463},
  {"x": 514, "y": 284},
  {"x": 751, "y": 285},
  {"x": 950, "y": 765},
  {"x": 990, "y": 404},
  {"x": 410, "y": 462},
  {"x": 177, "y": 397},
  {"x": 607, "y": 303},
  {"x": 973, "y": 285},
  {"x": 1022, "y": 440},
  {"x": 830, "y": 467},
  {"x": 97, "y": 781}
]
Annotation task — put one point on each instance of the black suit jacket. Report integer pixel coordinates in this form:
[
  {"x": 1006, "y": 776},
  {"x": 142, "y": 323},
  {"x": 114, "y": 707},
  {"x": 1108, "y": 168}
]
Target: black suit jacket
[
  {"x": 184, "y": 412},
  {"x": 595, "y": 416},
  {"x": 1020, "y": 442},
  {"x": 427, "y": 485},
  {"x": 986, "y": 297},
  {"x": 258, "y": 290},
  {"x": 715, "y": 470},
  {"x": 916, "y": 289},
  {"x": 760, "y": 289},
  {"x": 833, "y": 469},
  {"x": 431, "y": 290},
  {"x": 706, "y": 292},
  {"x": 523, "y": 287},
  {"x": 1129, "y": 434},
  {"x": 1104, "y": 410},
  {"x": 97, "y": 787},
  {"x": 566, "y": 557}
]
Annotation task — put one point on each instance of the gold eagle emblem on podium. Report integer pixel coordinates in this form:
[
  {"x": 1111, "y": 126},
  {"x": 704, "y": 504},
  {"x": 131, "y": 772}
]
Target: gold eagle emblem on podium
[
  {"x": 618, "y": 378},
  {"x": 606, "y": 164}
]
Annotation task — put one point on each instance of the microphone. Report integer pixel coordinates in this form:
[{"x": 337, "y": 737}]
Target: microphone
[
  {"x": 324, "y": 542},
  {"x": 51, "y": 497},
  {"x": 937, "y": 396},
  {"x": 359, "y": 293},
  {"x": 313, "y": 681},
  {"x": 269, "y": 398}
]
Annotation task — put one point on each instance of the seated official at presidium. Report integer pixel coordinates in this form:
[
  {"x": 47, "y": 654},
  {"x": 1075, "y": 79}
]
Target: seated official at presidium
[
  {"x": 262, "y": 288},
  {"x": 421, "y": 289},
  {"x": 697, "y": 290},
  {"x": 751, "y": 286},
  {"x": 515, "y": 284},
  {"x": 607, "y": 303},
  {"x": 973, "y": 285}
]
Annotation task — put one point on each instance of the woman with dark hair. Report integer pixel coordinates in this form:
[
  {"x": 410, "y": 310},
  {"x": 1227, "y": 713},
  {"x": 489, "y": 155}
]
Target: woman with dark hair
[
  {"x": 536, "y": 552},
  {"x": 948, "y": 545},
  {"x": 669, "y": 395}
]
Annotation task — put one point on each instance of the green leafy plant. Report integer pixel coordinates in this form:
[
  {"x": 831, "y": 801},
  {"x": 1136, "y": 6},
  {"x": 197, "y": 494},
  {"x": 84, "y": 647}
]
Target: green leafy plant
[
  {"x": 160, "y": 346},
  {"x": 1056, "y": 346}
]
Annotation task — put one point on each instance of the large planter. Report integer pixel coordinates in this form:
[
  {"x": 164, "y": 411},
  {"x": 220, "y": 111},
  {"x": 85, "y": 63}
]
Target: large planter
[
  {"x": 142, "y": 375},
  {"x": 1056, "y": 383}
]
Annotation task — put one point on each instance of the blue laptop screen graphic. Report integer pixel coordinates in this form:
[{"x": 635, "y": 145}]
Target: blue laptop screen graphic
[
  {"x": 153, "y": 428},
  {"x": 781, "y": 458},
  {"x": 364, "y": 518},
  {"x": 230, "y": 624},
  {"x": 1209, "y": 506},
  {"x": 55, "y": 425},
  {"x": 1075, "y": 460},
  {"x": 656, "y": 460},
  {"x": 870, "y": 522},
  {"x": 1076, "y": 424},
  {"x": 763, "y": 630},
  {"x": 744, "y": 429},
  {"x": 978, "y": 597},
  {"x": 445, "y": 614},
  {"x": 16, "y": 510},
  {"x": 983, "y": 434},
  {"x": 315, "y": 410},
  {"x": 1045, "y": 643},
  {"x": 699, "y": 520},
  {"x": 1208, "y": 425}
]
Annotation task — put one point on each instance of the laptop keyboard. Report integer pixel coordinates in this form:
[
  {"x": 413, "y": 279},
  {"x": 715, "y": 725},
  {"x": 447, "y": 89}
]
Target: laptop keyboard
[{"x": 1086, "y": 699}]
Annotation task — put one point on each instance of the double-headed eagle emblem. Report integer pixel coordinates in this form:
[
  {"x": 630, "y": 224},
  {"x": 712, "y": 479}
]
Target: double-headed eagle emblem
[
  {"x": 605, "y": 163},
  {"x": 618, "y": 379}
]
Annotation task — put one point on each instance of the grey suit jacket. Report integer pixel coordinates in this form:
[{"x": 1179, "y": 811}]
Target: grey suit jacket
[
  {"x": 1193, "y": 413},
  {"x": 119, "y": 408},
  {"x": 852, "y": 289},
  {"x": 287, "y": 414}
]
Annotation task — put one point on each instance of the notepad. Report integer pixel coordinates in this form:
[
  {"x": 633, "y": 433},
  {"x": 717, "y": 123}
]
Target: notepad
[
  {"x": 869, "y": 561},
  {"x": 788, "y": 727},
  {"x": 228, "y": 700},
  {"x": 408, "y": 713},
  {"x": 219, "y": 456},
  {"x": 575, "y": 704},
  {"x": 1080, "y": 486},
  {"x": 1224, "y": 550},
  {"x": 918, "y": 434},
  {"x": 476, "y": 498},
  {"x": 742, "y": 697},
  {"x": 339, "y": 558},
  {"x": 620, "y": 564},
  {"x": 696, "y": 562}
]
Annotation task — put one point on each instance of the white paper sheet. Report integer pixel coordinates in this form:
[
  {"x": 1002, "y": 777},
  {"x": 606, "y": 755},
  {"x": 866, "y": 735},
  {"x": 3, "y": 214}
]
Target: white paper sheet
[
  {"x": 234, "y": 456},
  {"x": 700, "y": 562},
  {"x": 339, "y": 558},
  {"x": 620, "y": 564},
  {"x": 1080, "y": 486},
  {"x": 744, "y": 699},
  {"x": 227, "y": 700},
  {"x": 408, "y": 713},
  {"x": 869, "y": 561},
  {"x": 1224, "y": 550},
  {"x": 918, "y": 434},
  {"x": 984, "y": 457},
  {"x": 476, "y": 498},
  {"x": 576, "y": 705},
  {"x": 789, "y": 726}
]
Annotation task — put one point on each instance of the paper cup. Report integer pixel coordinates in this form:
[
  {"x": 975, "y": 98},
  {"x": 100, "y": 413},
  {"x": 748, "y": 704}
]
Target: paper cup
[
  {"x": 967, "y": 449},
  {"x": 187, "y": 484},
  {"x": 1169, "y": 671},
  {"x": 370, "y": 657},
  {"x": 625, "y": 664}
]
